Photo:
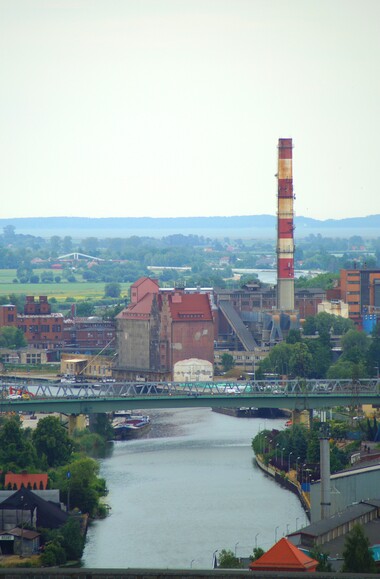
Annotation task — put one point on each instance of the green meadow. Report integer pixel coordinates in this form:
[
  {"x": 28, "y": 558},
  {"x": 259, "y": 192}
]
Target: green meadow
[{"x": 80, "y": 290}]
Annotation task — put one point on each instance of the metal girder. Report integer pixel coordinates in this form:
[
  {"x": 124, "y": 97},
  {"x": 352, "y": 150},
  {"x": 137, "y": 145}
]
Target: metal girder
[{"x": 105, "y": 397}]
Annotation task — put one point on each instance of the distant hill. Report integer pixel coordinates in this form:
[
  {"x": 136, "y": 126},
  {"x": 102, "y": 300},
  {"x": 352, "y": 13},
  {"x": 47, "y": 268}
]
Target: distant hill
[{"x": 208, "y": 226}]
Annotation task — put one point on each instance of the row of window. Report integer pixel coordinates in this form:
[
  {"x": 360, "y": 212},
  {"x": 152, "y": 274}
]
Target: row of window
[{"x": 43, "y": 329}]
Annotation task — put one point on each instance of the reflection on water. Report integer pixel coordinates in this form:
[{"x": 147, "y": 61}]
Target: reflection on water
[{"x": 188, "y": 489}]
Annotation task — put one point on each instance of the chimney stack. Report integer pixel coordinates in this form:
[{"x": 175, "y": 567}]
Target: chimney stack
[{"x": 285, "y": 226}]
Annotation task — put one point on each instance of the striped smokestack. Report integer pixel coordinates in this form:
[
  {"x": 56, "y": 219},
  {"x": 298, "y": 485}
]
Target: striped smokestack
[{"x": 285, "y": 227}]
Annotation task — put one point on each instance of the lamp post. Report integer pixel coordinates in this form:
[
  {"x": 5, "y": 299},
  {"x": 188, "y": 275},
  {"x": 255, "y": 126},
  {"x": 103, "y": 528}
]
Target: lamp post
[
  {"x": 68, "y": 475},
  {"x": 297, "y": 459},
  {"x": 290, "y": 453},
  {"x": 302, "y": 472},
  {"x": 277, "y": 445},
  {"x": 191, "y": 563},
  {"x": 282, "y": 457},
  {"x": 257, "y": 534},
  {"x": 236, "y": 544},
  {"x": 275, "y": 534},
  {"x": 22, "y": 527}
]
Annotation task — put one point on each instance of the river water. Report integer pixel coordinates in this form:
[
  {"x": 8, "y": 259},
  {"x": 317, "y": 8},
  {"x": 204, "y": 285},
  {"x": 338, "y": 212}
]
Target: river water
[{"x": 190, "y": 488}]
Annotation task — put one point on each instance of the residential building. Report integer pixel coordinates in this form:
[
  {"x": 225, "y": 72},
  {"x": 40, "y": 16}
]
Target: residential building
[{"x": 360, "y": 290}]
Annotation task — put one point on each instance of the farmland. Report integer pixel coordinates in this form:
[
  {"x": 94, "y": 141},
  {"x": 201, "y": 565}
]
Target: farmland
[{"x": 80, "y": 290}]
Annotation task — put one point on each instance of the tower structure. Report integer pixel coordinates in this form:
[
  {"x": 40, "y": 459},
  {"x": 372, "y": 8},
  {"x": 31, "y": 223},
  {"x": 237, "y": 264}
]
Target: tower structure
[
  {"x": 324, "y": 449},
  {"x": 285, "y": 226}
]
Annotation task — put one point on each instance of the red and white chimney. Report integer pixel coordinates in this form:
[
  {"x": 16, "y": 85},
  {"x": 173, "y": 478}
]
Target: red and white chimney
[{"x": 285, "y": 226}]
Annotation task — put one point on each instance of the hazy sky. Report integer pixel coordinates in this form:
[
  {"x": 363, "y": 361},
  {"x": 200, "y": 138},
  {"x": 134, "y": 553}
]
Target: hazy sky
[{"x": 175, "y": 107}]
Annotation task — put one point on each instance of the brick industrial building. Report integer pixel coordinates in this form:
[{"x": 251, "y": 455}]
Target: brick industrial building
[
  {"x": 42, "y": 328},
  {"x": 162, "y": 329}
]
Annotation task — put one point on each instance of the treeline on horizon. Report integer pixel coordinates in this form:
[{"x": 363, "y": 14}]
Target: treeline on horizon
[{"x": 212, "y": 222}]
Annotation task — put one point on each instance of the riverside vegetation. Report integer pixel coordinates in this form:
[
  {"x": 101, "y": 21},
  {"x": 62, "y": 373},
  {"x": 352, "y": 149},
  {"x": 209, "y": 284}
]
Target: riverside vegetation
[{"x": 50, "y": 449}]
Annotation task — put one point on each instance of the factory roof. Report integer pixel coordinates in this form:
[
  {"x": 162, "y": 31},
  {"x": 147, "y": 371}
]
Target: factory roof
[
  {"x": 190, "y": 307},
  {"x": 350, "y": 514},
  {"x": 142, "y": 280},
  {"x": 139, "y": 310}
]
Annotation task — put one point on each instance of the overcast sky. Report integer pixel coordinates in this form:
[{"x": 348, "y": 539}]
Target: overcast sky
[{"x": 169, "y": 108}]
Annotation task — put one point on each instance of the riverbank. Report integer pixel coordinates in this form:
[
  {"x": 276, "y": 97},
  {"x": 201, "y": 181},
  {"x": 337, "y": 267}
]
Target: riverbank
[{"x": 288, "y": 481}]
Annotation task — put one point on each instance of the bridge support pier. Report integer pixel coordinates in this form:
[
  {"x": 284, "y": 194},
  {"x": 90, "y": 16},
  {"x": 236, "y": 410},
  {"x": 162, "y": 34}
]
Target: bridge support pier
[
  {"x": 76, "y": 422},
  {"x": 301, "y": 417}
]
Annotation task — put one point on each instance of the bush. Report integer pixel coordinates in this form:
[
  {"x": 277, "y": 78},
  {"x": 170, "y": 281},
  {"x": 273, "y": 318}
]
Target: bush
[{"x": 54, "y": 554}]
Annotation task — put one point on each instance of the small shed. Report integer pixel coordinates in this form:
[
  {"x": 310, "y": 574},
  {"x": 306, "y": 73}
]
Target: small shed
[
  {"x": 284, "y": 556},
  {"x": 19, "y": 541}
]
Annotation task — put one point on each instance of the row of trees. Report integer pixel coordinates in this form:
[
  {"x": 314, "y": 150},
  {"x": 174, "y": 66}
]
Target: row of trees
[
  {"x": 309, "y": 354},
  {"x": 126, "y": 259},
  {"x": 299, "y": 446}
]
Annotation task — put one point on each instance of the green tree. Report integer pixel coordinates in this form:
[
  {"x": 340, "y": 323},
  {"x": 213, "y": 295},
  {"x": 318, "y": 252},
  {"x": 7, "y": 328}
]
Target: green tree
[
  {"x": 355, "y": 345},
  {"x": 228, "y": 362},
  {"x": 112, "y": 290},
  {"x": 277, "y": 360},
  {"x": 257, "y": 553},
  {"x": 52, "y": 441},
  {"x": 322, "y": 558},
  {"x": 321, "y": 358},
  {"x": 16, "y": 449},
  {"x": 85, "y": 486},
  {"x": 11, "y": 337},
  {"x": 300, "y": 362},
  {"x": 373, "y": 353},
  {"x": 227, "y": 560},
  {"x": 85, "y": 309},
  {"x": 53, "y": 554},
  {"x": 72, "y": 539},
  {"x": 357, "y": 557},
  {"x": 293, "y": 336}
]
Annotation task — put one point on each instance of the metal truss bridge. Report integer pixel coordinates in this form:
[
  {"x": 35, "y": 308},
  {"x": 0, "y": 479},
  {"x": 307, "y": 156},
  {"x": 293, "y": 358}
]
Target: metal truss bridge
[{"x": 90, "y": 398}]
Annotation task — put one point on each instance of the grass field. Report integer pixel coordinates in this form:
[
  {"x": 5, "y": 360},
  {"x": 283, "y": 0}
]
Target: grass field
[{"x": 80, "y": 290}]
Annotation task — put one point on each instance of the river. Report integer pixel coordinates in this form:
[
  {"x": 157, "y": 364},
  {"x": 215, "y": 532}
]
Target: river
[{"x": 189, "y": 489}]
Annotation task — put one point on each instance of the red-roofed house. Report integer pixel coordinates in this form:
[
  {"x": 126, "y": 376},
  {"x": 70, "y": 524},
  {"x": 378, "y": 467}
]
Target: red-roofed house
[
  {"x": 29, "y": 481},
  {"x": 159, "y": 329},
  {"x": 284, "y": 556}
]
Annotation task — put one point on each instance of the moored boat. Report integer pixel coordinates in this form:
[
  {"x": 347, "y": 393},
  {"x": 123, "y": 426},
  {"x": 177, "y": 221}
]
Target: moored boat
[{"x": 131, "y": 426}]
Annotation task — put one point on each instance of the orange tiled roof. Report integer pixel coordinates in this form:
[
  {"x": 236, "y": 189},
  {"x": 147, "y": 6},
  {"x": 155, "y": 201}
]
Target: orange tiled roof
[
  {"x": 142, "y": 279},
  {"x": 190, "y": 307},
  {"x": 25, "y": 479},
  {"x": 140, "y": 309},
  {"x": 284, "y": 556}
]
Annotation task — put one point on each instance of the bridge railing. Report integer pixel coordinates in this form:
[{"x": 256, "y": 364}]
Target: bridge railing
[{"x": 298, "y": 387}]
